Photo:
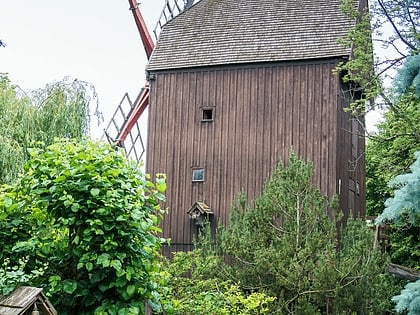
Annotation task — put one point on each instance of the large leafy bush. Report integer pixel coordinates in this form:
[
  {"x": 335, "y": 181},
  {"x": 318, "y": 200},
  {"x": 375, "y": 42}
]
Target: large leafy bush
[{"x": 89, "y": 219}]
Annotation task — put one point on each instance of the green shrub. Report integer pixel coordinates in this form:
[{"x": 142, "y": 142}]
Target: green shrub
[{"x": 92, "y": 218}]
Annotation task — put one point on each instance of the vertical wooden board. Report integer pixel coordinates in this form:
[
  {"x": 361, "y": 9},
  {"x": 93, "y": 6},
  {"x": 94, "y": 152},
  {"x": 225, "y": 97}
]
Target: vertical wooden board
[
  {"x": 272, "y": 95},
  {"x": 267, "y": 119},
  {"x": 178, "y": 200},
  {"x": 173, "y": 145},
  {"x": 341, "y": 149},
  {"x": 317, "y": 122},
  {"x": 218, "y": 160},
  {"x": 188, "y": 130},
  {"x": 247, "y": 133},
  {"x": 284, "y": 113},
  {"x": 345, "y": 153},
  {"x": 296, "y": 109},
  {"x": 239, "y": 137},
  {"x": 304, "y": 119},
  {"x": 155, "y": 148},
  {"x": 246, "y": 113},
  {"x": 232, "y": 169},
  {"x": 167, "y": 112},
  {"x": 253, "y": 125},
  {"x": 332, "y": 130},
  {"x": 196, "y": 135},
  {"x": 310, "y": 135},
  {"x": 259, "y": 157},
  {"x": 361, "y": 172},
  {"x": 209, "y": 139},
  {"x": 324, "y": 129},
  {"x": 288, "y": 102},
  {"x": 224, "y": 145},
  {"x": 181, "y": 174}
]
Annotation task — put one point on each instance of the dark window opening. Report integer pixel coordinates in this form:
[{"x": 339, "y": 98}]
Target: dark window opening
[
  {"x": 207, "y": 115},
  {"x": 198, "y": 175}
]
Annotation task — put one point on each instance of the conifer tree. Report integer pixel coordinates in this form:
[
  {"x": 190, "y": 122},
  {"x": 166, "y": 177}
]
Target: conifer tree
[
  {"x": 403, "y": 209},
  {"x": 286, "y": 245}
]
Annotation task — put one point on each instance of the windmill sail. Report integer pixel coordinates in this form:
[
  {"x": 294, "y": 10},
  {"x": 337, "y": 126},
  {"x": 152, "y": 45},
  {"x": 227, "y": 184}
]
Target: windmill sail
[{"x": 124, "y": 128}]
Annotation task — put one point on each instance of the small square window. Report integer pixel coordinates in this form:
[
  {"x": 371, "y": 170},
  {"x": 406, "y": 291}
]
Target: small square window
[
  {"x": 207, "y": 114},
  {"x": 198, "y": 175}
]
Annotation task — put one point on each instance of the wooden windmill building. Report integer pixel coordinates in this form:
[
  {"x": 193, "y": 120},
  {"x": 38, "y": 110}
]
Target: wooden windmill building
[{"x": 236, "y": 85}]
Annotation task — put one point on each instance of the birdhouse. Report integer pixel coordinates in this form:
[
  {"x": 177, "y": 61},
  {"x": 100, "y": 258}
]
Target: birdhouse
[
  {"x": 26, "y": 300},
  {"x": 199, "y": 212}
]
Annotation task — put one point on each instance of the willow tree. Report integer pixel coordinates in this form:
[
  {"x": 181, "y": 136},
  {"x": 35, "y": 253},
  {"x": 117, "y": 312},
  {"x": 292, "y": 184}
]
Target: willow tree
[{"x": 61, "y": 109}]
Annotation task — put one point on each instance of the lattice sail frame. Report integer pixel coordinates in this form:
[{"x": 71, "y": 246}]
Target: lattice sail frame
[{"x": 133, "y": 144}]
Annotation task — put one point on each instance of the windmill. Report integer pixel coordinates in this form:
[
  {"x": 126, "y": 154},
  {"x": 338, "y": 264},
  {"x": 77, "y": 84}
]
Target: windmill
[
  {"x": 233, "y": 90},
  {"x": 124, "y": 129}
]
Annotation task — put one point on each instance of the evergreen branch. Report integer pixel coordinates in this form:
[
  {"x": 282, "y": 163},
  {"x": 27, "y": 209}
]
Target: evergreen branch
[{"x": 393, "y": 137}]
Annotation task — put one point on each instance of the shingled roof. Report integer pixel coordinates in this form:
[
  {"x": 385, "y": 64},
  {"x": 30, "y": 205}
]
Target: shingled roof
[{"x": 216, "y": 32}]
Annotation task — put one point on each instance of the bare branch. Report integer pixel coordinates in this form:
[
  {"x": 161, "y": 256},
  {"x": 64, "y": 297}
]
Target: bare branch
[{"x": 390, "y": 20}]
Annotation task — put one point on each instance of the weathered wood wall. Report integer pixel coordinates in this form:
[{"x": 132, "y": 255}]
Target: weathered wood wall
[{"x": 260, "y": 113}]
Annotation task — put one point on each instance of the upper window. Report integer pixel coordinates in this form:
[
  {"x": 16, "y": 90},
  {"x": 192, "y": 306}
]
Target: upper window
[
  {"x": 207, "y": 114},
  {"x": 198, "y": 175}
]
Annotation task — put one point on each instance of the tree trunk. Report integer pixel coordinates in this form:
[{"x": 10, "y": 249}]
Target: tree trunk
[{"x": 404, "y": 272}]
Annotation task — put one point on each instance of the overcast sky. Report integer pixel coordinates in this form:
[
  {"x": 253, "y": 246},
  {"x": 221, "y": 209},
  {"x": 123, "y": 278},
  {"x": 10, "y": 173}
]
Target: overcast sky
[{"x": 91, "y": 40}]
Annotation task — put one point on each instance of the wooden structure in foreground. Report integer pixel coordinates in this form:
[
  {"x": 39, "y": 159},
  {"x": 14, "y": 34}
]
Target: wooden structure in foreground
[
  {"x": 26, "y": 301},
  {"x": 234, "y": 87}
]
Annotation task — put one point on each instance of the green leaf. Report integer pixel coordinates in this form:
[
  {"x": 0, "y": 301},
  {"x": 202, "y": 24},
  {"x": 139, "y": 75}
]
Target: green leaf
[
  {"x": 131, "y": 289},
  {"x": 89, "y": 266},
  {"x": 116, "y": 264},
  {"x": 75, "y": 207},
  {"x": 121, "y": 281},
  {"x": 94, "y": 192},
  {"x": 103, "y": 260},
  {"x": 69, "y": 286},
  {"x": 160, "y": 197},
  {"x": 7, "y": 202}
]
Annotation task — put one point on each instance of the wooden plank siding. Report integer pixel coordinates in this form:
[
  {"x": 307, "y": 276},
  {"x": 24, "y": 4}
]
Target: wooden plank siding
[
  {"x": 351, "y": 165},
  {"x": 260, "y": 113}
]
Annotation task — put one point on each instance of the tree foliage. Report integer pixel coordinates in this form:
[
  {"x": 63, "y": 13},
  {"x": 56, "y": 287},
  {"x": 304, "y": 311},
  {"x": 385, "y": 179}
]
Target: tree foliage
[
  {"x": 358, "y": 72},
  {"x": 195, "y": 287},
  {"x": 88, "y": 219},
  {"x": 409, "y": 299},
  {"x": 61, "y": 109},
  {"x": 280, "y": 254},
  {"x": 391, "y": 152},
  {"x": 405, "y": 204},
  {"x": 404, "y": 209},
  {"x": 385, "y": 38},
  {"x": 287, "y": 246}
]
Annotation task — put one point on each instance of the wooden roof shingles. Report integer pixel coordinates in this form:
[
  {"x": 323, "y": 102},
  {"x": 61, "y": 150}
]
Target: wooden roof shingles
[
  {"x": 24, "y": 299},
  {"x": 219, "y": 32}
]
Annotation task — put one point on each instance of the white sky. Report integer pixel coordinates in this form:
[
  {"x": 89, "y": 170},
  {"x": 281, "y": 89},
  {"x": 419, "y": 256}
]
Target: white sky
[{"x": 91, "y": 40}]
